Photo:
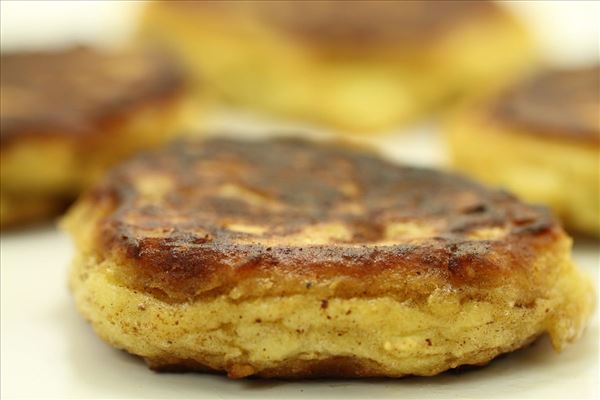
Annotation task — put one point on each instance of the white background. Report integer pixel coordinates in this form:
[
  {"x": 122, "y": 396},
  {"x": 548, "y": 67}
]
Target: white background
[{"x": 48, "y": 351}]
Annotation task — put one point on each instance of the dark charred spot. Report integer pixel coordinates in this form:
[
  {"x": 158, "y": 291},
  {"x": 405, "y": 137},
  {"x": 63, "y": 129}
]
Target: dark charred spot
[
  {"x": 476, "y": 208},
  {"x": 202, "y": 239}
]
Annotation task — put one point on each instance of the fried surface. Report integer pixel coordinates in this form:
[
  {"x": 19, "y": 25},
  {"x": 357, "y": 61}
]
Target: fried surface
[
  {"x": 67, "y": 115},
  {"x": 537, "y": 138},
  {"x": 79, "y": 90},
  {"x": 288, "y": 258},
  {"x": 361, "y": 66},
  {"x": 227, "y": 197},
  {"x": 564, "y": 104},
  {"x": 357, "y": 23}
]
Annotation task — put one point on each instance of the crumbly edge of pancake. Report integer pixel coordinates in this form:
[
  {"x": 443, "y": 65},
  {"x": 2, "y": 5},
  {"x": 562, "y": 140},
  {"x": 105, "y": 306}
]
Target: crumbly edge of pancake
[{"x": 291, "y": 335}]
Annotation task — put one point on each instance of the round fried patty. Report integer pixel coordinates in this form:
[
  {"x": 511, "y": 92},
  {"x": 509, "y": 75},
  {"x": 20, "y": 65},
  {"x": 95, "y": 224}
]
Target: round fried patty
[
  {"x": 290, "y": 258},
  {"x": 561, "y": 104},
  {"x": 537, "y": 137},
  {"x": 357, "y": 66},
  {"x": 79, "y": 91},
  {"x": 66, "y": 115}
]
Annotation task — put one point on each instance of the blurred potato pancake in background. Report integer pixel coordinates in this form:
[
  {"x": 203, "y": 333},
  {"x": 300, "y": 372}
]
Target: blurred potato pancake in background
[
  {"x": 286, "y": 258},
  {"x": 541, "y": 139},
  {"x": 67, "y": 115},
  {"x": 359, "y": 66}
]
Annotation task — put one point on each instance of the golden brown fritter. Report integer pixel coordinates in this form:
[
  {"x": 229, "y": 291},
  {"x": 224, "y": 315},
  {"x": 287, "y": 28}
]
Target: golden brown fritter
[
  {"x": 66, "y": 115},
  {"x": 540, "y": 138},
  {"x": 359, "y": 66},
  {"x": 289, "y": 258}
]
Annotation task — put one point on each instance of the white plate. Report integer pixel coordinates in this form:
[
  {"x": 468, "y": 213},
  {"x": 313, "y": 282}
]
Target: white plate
[{"x": 48, "y": 351}]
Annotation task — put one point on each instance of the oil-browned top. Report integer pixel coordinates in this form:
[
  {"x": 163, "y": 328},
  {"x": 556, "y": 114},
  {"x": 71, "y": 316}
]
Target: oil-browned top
[
  {"x": 355, "y": 23},
  {"x": 559, "y": 103},
  {"x": 227, "y": 208},
  {"x": 78, "y": 91}
]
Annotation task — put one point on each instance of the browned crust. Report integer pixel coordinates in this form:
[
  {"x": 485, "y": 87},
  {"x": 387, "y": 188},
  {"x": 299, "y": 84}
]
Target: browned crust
[
  {"x": 560, "y": 104},
  {"x": 179, "y": 243},
  {"x": 79, "y": 93},
  {"x": 332, "y": 367},
  {"x": 360, "y": 24}
]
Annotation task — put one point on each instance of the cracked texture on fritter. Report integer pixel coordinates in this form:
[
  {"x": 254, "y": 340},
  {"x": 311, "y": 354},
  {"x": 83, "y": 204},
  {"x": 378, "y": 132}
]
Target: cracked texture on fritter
[{"x": 201, "y": 216}]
